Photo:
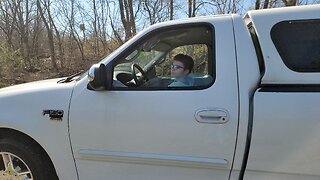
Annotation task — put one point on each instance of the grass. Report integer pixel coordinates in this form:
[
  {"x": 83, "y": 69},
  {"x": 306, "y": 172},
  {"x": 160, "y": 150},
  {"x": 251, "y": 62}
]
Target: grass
[{"x": 5, "y": 176}]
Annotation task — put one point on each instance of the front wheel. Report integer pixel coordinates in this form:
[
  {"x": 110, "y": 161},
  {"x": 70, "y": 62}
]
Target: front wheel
[{"x": 22, "y": 159}]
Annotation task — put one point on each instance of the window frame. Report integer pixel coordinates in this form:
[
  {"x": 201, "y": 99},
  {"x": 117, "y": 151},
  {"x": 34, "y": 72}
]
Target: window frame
[{"x": 211, "y": 54}]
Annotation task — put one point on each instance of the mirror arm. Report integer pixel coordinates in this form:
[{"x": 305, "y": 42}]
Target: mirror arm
[
  {"x": 100, "y": 77},
  {"x": 108, "y": 76}
]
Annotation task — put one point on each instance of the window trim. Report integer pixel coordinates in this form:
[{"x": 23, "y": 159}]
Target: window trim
[
  {"x": 139, "y": 42},
  {"x": 280, "y": 51}
]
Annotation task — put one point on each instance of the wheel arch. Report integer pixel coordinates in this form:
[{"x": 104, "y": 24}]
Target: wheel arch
[{"x": 8, "y": 132}]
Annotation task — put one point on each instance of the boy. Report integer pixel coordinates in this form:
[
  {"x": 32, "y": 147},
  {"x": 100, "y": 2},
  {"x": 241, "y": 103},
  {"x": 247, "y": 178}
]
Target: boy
[{"x": 180, "y": 69}]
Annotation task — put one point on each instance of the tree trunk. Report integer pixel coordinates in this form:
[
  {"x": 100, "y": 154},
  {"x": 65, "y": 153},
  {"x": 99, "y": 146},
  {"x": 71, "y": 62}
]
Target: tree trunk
[
  {"x": 132, "y": 18},
  {"x": 74, "y": 33},
  {"x": 95, "y": 29},
  {"x": 35, "y": 37},
  {"x": 50, "y": 37},
  {"x": 189, "y": 8},
  {"x": 266, "y": 4},
  {"x": 124, "y": 20},
  {"x": 193, "y": 8},
  {"x": 171, "y": 9},
  {"x": 23, "y": 28},
  {"x": 60, "y": 43},
  {"x": 127, "y": 18},
  {"x": 257, "y": 4},
  {"x": 290, "y": 2},
  {"x": 103, "y": 37}
]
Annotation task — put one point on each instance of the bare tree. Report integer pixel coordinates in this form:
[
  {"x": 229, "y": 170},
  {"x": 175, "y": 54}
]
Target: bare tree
[
  {"x": 257, "y": 5},
  {"x": 192, "y": 8},
  {"x": 49, "y": 31},
  {"x": 266, "y": 4},
  {"x": 171, "y": 9},
  {"x": 274, "y": 3},
  {"x": 127, "y": 18},
  {"x": 58, "y": 36},
  {"x": 226, "y": 6},
  {"x": 22, "y": 9},
  {"x": 7, "y": 20},
  {"x": 96, "y": 25},
  {"x": 103, "y": 28},
  {"x": 157, "y": 10},
  {"x": 69, "y": 12},
  {"x": 289, "y": 2}
]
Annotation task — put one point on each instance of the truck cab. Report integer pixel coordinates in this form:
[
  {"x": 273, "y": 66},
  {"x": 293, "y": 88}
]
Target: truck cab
[{"x": 147, "y": 128}]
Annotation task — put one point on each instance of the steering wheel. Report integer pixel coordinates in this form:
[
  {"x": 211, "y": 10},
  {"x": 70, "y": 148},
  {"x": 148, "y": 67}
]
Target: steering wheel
[{"x": 144, "y": 75}]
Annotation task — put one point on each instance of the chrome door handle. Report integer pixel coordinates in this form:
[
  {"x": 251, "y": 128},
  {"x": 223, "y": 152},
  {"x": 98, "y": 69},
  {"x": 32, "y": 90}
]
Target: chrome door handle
[{"x": 212, "y": 116}]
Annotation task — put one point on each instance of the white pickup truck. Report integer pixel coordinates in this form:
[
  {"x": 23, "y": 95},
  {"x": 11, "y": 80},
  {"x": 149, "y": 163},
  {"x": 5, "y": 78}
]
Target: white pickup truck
[{"x": 251, "y": 112}]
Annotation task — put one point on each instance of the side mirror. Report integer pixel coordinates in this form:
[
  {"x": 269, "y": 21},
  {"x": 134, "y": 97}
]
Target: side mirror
[{"x": 100, "y": 77}]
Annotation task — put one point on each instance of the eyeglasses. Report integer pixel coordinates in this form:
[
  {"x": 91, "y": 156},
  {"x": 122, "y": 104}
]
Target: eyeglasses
[{"x": 175, "y": 67}]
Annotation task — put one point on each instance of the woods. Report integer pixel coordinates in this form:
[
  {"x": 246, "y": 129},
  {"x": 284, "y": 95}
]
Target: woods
[{"x": 52, "y": 38}]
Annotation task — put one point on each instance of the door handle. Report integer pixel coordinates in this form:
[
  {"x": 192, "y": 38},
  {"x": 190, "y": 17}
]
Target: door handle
[{"x": 212, "y": 116}]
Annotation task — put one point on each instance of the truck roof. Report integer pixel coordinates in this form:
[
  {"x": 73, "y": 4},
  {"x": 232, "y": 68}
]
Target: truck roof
[{"x": 283, "y": 10}]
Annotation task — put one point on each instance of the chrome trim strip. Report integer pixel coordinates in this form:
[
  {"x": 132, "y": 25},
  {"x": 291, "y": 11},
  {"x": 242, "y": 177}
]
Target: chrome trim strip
[{"x": 153, "y": 159}]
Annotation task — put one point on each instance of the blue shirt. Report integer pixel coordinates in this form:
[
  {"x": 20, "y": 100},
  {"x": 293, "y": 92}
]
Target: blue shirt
[{"x": 182, "y": 81}]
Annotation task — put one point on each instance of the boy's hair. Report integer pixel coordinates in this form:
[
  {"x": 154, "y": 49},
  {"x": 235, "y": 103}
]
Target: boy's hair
[{"x": 186, "y": 60}]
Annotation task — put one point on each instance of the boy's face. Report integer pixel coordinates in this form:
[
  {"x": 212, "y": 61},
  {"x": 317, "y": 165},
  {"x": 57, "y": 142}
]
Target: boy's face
[{"x": 178, "y": 69}]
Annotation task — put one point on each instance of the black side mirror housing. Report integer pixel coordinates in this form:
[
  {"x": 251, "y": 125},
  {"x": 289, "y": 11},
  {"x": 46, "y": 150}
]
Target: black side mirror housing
[{"x": 100, "y": 77}]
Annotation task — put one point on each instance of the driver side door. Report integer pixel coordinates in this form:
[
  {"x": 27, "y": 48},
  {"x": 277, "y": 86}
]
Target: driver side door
[{"x": 162, "y": 133}]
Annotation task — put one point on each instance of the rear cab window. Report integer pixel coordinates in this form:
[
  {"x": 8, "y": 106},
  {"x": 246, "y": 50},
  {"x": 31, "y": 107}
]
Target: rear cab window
[{"x": 298, "y": 44}]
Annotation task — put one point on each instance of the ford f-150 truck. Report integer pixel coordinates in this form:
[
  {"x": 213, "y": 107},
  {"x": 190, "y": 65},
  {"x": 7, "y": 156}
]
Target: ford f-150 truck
[{"x": 251, "y": 112}]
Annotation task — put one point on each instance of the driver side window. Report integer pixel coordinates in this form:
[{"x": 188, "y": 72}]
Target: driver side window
[{"x": 178, "y": 58}]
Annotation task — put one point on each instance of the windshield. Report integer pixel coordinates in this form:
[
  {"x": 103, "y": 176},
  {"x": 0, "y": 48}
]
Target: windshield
[{"x": 142, "y": 58}]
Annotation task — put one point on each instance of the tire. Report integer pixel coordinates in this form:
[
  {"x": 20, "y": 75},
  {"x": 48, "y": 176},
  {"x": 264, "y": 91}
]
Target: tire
[{"x": 29, "y": 161}]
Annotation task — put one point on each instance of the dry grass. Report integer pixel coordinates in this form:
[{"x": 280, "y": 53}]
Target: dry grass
[{"x": 5, "y": 176}]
